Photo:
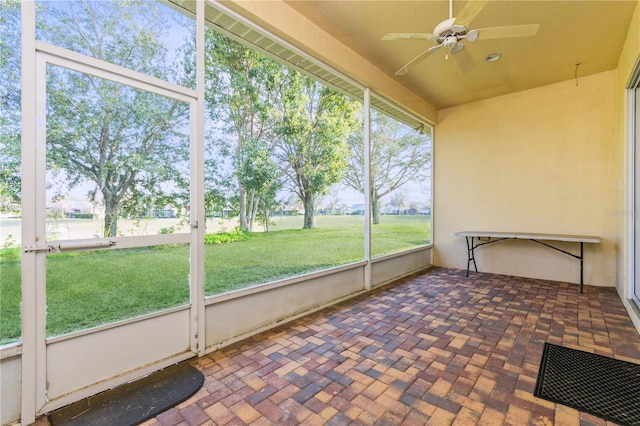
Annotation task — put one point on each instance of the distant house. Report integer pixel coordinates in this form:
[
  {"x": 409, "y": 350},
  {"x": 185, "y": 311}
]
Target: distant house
[
  {"x": 357, "y": 209},
  {"x": 390, "y": 210},
  {"x": 164, "y": 213}
]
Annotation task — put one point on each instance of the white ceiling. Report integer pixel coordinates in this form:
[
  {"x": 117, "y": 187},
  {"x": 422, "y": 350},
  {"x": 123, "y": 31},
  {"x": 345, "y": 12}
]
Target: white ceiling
[{"x": 586, "y": 32}]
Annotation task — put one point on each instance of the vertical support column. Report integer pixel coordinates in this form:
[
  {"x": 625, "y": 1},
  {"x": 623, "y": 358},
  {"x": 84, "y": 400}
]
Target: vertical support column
[
  {"x": 198, "y": 342},
  {"x": 33, "y": 360},
  {"x": 367, "y": 187}
]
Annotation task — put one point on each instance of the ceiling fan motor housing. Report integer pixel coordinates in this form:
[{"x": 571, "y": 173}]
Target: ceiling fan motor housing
[
  {"x": 444, "y": 27},
  {"x": 450, "y": 42},
  {"x": 449, "y": 33},
  {"x": 449, "y": 27}
]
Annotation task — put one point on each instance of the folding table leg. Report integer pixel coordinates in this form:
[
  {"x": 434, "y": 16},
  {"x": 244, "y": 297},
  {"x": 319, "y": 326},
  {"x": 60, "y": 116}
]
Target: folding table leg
[{"x": 471, "y": 254}]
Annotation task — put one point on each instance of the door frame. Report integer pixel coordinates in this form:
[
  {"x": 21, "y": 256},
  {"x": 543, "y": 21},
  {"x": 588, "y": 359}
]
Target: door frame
[
  {"x": 633, "y": 170},
  {"x": 36, "y": 365}
]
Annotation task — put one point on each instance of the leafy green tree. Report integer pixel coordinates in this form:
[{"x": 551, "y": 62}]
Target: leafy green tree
[
  {"x": 261, "y": 176},
  {"x": 214, "y": 201},
  {"x": 10, "y": 183},
  {"x": 217, "y": 189},
  {"x": 241, "y": 87},
  {"x": 268, "y": 204},
  {"x": 129, "y": 143},
  {"x": 313, "y": 130},
  {"x": 399, "y": 155}
]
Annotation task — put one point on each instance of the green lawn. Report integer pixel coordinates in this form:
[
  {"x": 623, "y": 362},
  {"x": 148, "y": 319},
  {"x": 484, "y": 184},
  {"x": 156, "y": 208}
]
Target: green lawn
[{"x": 87, "y": 289}]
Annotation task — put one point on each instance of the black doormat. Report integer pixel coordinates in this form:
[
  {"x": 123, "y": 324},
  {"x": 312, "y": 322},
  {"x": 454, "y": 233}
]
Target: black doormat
[
  {"x": 134, "y": 402},
  {"x": 595, "y": 384}
]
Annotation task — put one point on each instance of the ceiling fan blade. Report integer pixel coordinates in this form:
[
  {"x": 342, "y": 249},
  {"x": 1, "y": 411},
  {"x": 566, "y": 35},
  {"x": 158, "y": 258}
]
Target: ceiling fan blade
[
  {"x": 405, "y": 36},
  {"x": 508, "y": 31},
  {"x": 464, "y": 61},
  {"x": 470, "y": 11},
  {"x": 420, "y": 57}
]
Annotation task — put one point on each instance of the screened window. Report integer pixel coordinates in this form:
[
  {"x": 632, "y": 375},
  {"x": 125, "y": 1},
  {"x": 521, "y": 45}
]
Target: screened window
[
  {"x": 400, "y": 184},
  {"x": 117, "y": 159},
  {"x": 117, "y": 165},
  {"x": 10, "y": 182},
  {"x": 91, "y": 288},
  {"x": 284, "y": 181},
  {"x": 144, "y": 36},
  {"x": 278, "y": 152}
]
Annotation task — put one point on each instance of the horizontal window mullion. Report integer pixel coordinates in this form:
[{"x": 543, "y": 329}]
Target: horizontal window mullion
[{"x": 96, "y": 67}]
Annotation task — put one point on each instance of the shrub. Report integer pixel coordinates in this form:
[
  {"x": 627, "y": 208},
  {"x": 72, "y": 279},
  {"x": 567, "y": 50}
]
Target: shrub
[
  {"x": 10, "y": 250},
  {"x": 226, "y": 237},
  {"x": 81, "y": 215}
]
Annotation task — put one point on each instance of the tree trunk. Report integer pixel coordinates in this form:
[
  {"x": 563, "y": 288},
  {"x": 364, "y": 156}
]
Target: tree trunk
[
  {"x": 266, "y": 220},
  {"x": 252, "y": 209},
  {"x": 243, "y": 209},
  {"x": 308, "y": 211},
  {"x": 251, "y": 199},
  {"x": 375, "y": 210},
  {"x": 110, "y": 216}
]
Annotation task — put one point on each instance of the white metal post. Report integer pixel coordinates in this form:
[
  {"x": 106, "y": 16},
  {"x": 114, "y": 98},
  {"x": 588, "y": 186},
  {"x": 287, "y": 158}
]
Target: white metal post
[
  {"x": 29, "y": 216},
  {"x": 367, "y": 187},
  {"x": 197, "y": 194}
]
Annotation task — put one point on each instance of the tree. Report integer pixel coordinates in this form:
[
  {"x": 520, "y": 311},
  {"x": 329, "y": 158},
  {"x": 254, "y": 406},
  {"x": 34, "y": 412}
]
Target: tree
[
  {"x": 333, "y": 197},
  {"x": 268, "y": 203},
  {"x": 242, "y": 86},
  {"x": 10, "y": 183},
  {"x": 313, "y": 131},
  {"x": 398, "y": 200},
  {"x": 260, "y": 175},
  {"x": 129, "y": 143},
  {"x": 399, "y": 155}
]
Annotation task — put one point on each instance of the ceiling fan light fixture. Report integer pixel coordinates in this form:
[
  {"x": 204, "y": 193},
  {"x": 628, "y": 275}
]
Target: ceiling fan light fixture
[
  {"x": 450, "y": 42},
  {"x": 452, "y": 32}
]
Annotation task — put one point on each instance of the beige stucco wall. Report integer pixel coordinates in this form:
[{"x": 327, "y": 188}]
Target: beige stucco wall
[
  {"x": 628, "y": 59},
  {"x": 541, "y": 160}
]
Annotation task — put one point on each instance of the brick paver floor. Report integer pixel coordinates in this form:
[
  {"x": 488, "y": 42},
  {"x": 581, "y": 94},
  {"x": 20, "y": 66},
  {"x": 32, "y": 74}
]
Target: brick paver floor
[{"x": 439, "y": 348}]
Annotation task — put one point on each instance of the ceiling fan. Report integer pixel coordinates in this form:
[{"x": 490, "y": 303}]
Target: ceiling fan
[{"x": 451, "y": 33}]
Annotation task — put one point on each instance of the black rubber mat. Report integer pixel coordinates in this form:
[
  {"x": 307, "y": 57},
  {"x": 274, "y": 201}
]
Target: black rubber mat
[
  {"x": 595, "y": 384},
  {"x": 134, "y": 402}
]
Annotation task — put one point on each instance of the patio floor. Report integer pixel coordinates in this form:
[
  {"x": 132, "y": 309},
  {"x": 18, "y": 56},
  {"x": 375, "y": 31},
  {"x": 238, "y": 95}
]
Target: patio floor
[{"x": 439, "y": 348}]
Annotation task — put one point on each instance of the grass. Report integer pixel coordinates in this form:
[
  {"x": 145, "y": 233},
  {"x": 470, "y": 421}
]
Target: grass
[
  {"x": 87, "y": 289},
  {"x": 91, "y": 288}
]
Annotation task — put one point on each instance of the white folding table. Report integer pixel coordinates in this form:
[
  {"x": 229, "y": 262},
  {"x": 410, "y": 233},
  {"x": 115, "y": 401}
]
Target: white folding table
[{"x": 477, "y": 239}]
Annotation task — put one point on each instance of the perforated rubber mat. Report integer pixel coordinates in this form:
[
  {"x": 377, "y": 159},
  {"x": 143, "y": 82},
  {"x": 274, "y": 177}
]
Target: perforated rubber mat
[{"x": 595, "y": 384}]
